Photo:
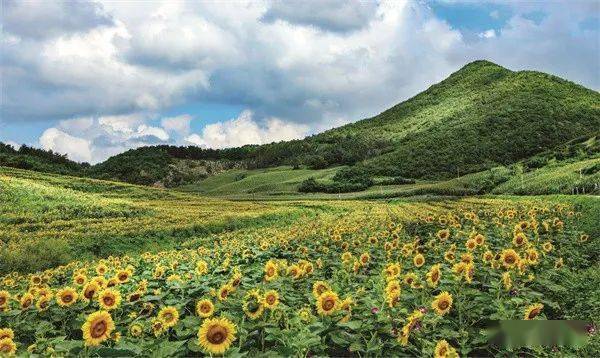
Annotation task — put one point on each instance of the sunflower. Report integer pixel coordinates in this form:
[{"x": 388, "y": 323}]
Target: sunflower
[
  {"x": 26, "y": 301},
  {"x": 66, "y": 297},
  {"x": 136, "y": 330},
  {"x": 7, "y": 347},
  {"x": 519, "y": 239},
  {"x": 158, "y": 326},
  {"x": 444, "y": 350},
  {"x": 449, "y": 256},
  {"x": 418, "y": 260},
  {"x": 507, "y": 281},
  {"x": 328, "y": 303},
  {"x": 295, "y": 271},
  {"x": 101, "y": 269},
  {"x": 443, "y": 235},
  {"x": 304, "y": 314},
  {"x": 205, "y": 308},
  {"x": 7, "y": 333},
  {"x": 4, "y": 298},
  {"x": 434, "y": 275},
  {"x": 169, "y": 316},
  {"x": 509, "y": 258},
  {"x": 109, "y": 299},
  {"x": 253, "y": 304},
  {"x": 533, "y": 311},
  {"x": 471, "y": 244},
  {"x": 123, "y": 275},
  {"x": 90, "y": 290},
  {"x": 411, "y": 279},
  {"x": 216, "y": 335},
  {"x": 442, "y": 303},
  {"x": 224, "y": 292},
  {"x": 584, "y": 237},
  {"x": 134, "y": 296},
  {"x": 558, "y": 263},
  {"x": 97, "y": 328},
  {"x": 488, "y": 256},
  {"x": 271, "y": 299},
  {"x": 319, "y": 287},
  {"x": 35, "y": 280},
  {"x": 271, "y": 271},
  {"x": 201, "y": 267},
  {"x": 479, "y": 239},
  {"x": 469, "y": 271},
  {"x": 547, "y": 246},
  {"x": 392, "y": 292},
  {"x": 43, "y": 303},
  {"x": 79, "y": 279},
  {"x": 532, "y": 256}
]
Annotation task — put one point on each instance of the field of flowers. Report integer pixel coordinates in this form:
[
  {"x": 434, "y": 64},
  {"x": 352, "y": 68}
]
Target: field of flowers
[{"x": 371, "y": 279}]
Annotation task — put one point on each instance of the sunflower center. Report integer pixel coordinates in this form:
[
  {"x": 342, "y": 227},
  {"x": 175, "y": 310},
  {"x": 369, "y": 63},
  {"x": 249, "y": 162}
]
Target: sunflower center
[
  {"x": 271, "y": 299},
  {"x": 2, "y": 301},
  {"x": 510, "y": 259},
  {"x": 205, "y": 308},
  {"x": 534, "y": 313},
  {"x": 216, "y": 334},
  {"x": 443, "y": 304},
  {"x": 168, "y": 317},
  {"x": 67, "y": 298},
  {"x": 99, "y": 329},
  {"x": 435, "y": 276},
  {"x": 328, "y": 304}
]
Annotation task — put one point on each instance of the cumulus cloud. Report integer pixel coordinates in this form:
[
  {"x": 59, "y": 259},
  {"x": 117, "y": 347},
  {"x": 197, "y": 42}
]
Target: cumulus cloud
[
  {"x": 179, "y": 124},
  {"x": 244, "y": 130},
  {"x": 76, "y": 148}
]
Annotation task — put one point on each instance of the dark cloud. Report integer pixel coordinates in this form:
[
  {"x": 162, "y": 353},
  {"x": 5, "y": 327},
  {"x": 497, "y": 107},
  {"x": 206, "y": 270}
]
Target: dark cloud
[{"x": 328, "y": 15}]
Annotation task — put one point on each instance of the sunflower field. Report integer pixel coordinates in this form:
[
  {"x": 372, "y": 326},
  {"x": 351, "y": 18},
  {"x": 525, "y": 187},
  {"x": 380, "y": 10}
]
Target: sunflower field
[{"x": 371, "y": 279}]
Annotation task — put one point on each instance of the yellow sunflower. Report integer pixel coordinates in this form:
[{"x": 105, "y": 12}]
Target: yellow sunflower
[
  {"x": 547, "y": 246},
  {"x": 7, "y": 333},
  {"x": 169, "y": 316},
  {"x": 224, "y": 292},
  {"x": 533, "y": 311},
  {"x": 319, "y": 287},
  {"x": 136, "y": 330},
  {"x": 205, "y": 308},
  {"x": 43, "y": 303},
  {"x": 442, "y": 303},
  {"x": 90, "y": 290},
  {"x": 253, "y": 304},
  {"x": 509, "y": 258},
  {"x": 271, "y": 299},
  {"x": 4, "y": 298},
  {"x": 444, "y": 350},
  {"x": 328, "y": 303},
  {"x": 79, "y": 279},
  {"x": 418, "y": 260},
  {"x": 26, "y": 301},
  {"x": 97, "y": 328},
  {"x": 471, "y": 244},
  {"x": 216, "y": 335},
  {"x": 201, "y": 267},
  {"x": 109, "y": 299},
  {"x": 7, "y": 347},
  {"x": 66, "y": 297},
  {"x": 507, "y": 281},
  {"x": 271, "y": 271},
  {"x": 434, "y": 275}
]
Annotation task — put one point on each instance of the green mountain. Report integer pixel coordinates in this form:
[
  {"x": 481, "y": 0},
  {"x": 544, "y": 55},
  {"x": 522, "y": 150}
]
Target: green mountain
[{"x": 480, "y": 117}]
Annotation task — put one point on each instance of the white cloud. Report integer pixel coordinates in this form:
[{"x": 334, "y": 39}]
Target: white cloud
[
  {"x": 15, "y": 145},
  {"x": 76, "y": 148},
  {"x": 244, "y": 130},
  {"x": 488, "y": 34},
  {"x": 114, "y": 66},
  {"x": 179, "y": 124}
]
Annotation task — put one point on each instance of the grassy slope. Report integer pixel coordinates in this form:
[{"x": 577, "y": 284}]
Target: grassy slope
[
  {"x": 274, "y": 181},
  {"x": 52, "y": 219}
]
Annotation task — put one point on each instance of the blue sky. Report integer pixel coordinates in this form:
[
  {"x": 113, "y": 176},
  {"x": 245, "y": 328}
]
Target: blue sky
[{"x": 118, "y": 75}]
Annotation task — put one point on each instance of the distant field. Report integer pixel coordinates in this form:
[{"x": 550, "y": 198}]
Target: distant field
[{"x": 274, "y": 181}]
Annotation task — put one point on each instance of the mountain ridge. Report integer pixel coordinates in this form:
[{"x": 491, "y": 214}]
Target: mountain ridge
[{"x": 481, "y": 116}]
